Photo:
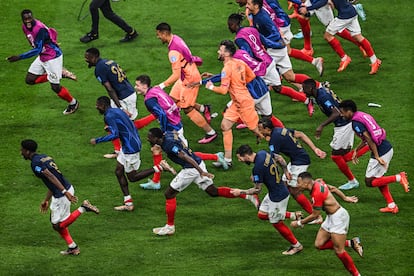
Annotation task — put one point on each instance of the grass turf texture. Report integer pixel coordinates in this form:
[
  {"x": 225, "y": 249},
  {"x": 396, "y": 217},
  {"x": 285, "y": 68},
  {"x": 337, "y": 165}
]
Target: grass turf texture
[{"x": 214, "y": 236}]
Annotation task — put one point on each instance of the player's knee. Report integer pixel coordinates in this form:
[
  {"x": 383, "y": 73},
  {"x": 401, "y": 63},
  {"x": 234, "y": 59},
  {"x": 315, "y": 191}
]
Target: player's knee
[
  {"x": 188, "y": 109},
  {"x": 368, "y": 181},
  {"x": 262, "y": 216},
  {"x": 55, "y": 87},
  {"x": 277, "y": 88},
  {"x": 30, "y": 80},
  {"x": 212, "y": 191},
  {"x": 56, "y": 227}
]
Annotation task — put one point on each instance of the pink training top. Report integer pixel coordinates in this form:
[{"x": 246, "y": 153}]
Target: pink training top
[
  {"x": 252, "y": 37},
  {"x": 377, "y": 133},
  {"x": 166, "y": 103},
  {"x": 256, "y": 66},
  {"x": 178, "y": 44},
  {"x": 276, "y": 20},
  {"x": 48, "y": 52}
]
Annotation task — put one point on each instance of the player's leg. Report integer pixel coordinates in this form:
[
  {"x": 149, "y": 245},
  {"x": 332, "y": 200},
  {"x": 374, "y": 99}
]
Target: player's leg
[
  {"x": 94, "y": 11},
  {"x": 334, "y": 27},
  {"x": 339, "y": 247},
  {"x": 355, "y": 31},
  {"x": 36, "y": 73},
  {"x": 154, "y": 183},
  {"x": 123, "y": 184}
]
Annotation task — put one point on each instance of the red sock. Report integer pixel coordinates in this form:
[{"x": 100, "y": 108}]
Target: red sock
[
  {"x": 383, "y": 180},
  {"x": 206, "y": 156},
  {"x": 276, "y": 122},
  {"x": 304, "y": 202},
  {"x": 290, "y": 92},
  {"x": 345, "y": 34},
  {"x": 385, "y": 191},
  {"x": 225, "y": 192},
  {"x": 64, "y": 233},
  {"x": 262, "y": 216},
  {"x": 65, "y": 95},
  {"x": 348, "y": 263},
  {"x": 336, "y": 46},
  {"x": 285, "y": 232},
  {"x": 327, "y": 245},
  {"x": 360, "y": 152},
  {"x": 300, "y": 78},
  {"x": 144, "y": 121},
  {"x": 117, "y": 144},
  {"x": 348, "y": 243},
  {"x": 306, "y": 30},
  {"x": 343, "y": 166},
  {"x": 298, "y": 54},
  {"x": 367, "y": 47},
  {"x": 73, "y": 216},
  {"x": 170, "y": 207},
  {"x": 41, "y": 78},
  {"x": 156, "y": 159}
]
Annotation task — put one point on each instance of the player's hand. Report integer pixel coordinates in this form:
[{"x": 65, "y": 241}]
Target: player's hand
[
  {"x": 43, "y": 206},
  {"x": 207, "y": 174},
  {"x": 303, "y": 10},
  {"x": 381, "y": 161},
  {"x": 206, "y": 75},
  {"x": 127, "y": 112},
  {"x": 318, "y": 132},
  {"x": 210, "y": 85},
  {"x": 235, "y": 192},
  {"x": 288, "y": 175},
  {"x": 295, "y": 224},
  {"x": 355, "y": 159},
  {"x": 351, "y": 199},
  {"x": 93, "y": 141},
  {"x": 71, "y": 197},
  {"x": 320, "y": 153},
  {"x": 156, "y": 149},
  {"x": 193, "y": 84},
  {"x": 13, "y": 58}
]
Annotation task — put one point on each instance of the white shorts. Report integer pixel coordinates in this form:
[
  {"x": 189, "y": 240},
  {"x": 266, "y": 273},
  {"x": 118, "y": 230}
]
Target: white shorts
[
  {"x": 131, "y": 162},
  {"x": 338, "y": 25},
  {"x": 60, "y": 207},
  {"x": 281, "y": 58},
  {"x": 337, "y": 223},
  {"x": 189, "y": 175},
  {"x": 129, "y": 104},
  {"x": 375, "y": 169},
  {"x": 263, "y": 105},
  {"x": 294, "y": 170},
  {"x": 272, "y": 76},
  {"x": 286, "y": 34},
  {"x": 324, "y": 14},
  {"x": 275, "y": 210},
  {"x": 343, "y": 137},
  {"x": 53, "y": 68}
]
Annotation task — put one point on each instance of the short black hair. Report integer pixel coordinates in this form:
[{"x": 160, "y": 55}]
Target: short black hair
[
  {"x": 156, "y": 132},
  {"x": 163, "y": 27},
  {"x": 29, "y": 145},
  {"x": 244, "y": 150},
  {"x": 26, "y": 11},
  {"x": 266, "y": 123},
  {"x": 104, "y": 100},
  {"x": 229, "y": 46},
  {"x": 305, "y": 175},
  {"x": 145, "y": 79},
  {"x": 94, "y": 52},
  {"x": 235, "y": 18},
  {"x": 348, "y": 105},
  {"x": 258, "y": 2}
]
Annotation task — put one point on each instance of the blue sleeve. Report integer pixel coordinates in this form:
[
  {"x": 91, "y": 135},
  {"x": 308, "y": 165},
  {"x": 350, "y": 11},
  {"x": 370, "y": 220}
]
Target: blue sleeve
[
  {"x": 113, "y": 129},
  {"x": 153, "y": 107},
  {"x": 297, "y": 2},
  {"x": 273, "y": 40},
  {"x": 41, "y": 37},
  {"x": 215, "y": 79},
  {"x": 317, "y": 4},
  {"x": 101, "y": 72},
  {"x": 258, "y": 170},
  {"x": 243, "y": 45}
]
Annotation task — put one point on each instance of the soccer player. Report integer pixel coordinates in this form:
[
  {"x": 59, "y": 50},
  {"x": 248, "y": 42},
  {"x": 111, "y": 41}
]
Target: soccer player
[
  {"x": 234, "y": 76},
  {"x": 332, "y": 234},
  {"x": 60, "y": 194},
  {"x": 343, "y": 137},
  {"x": 286, "y": 141},
  {"x": 274, "y": 204},
  {"x": 105, "y": 7},
  {"x": 347, "y": 18},
  {"x": 374, "y": 136},
  {"x": 248, "y": 39},
  {"x": 128, "y": 160},
  {"x": 48, "y": 64},
  {"x": 185, "y": 71},
  {"x": 119, "y": 89},
  {"x": 193, "y": 170}
]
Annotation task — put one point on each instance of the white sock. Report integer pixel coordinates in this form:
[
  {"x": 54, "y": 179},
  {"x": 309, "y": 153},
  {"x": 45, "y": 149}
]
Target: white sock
[
  {"x": 373, "y": 58},
  {"x": 211, "y": 132},
  {"x": 228, "y": 160},
  {"x": 73, "y": 101},
  {"x": 398, "y": 177},
  {"x": 391, "y": 205},
  {"x": 202, "y": 108},
  {"x": 72, "y": 245}
]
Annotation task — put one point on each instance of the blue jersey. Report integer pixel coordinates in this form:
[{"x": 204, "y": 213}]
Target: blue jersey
[
  {"x": 120, "y": 126},
  {"x": 345, "y": 9},
  {"x": 41, "y": 162},
  {"x": 109, "y": 71},
  {"x": 327, "y": 101},
  {"x": 280, "y": 13},
  {"x": 383, "y": 148},
  {"x": 269, "y": 34},
  {"x": 265, "y": 171},
  {"x": 317, "y": 4},
  {"x": 172, "y": 145},
  {"x": 282, "y": 140}
]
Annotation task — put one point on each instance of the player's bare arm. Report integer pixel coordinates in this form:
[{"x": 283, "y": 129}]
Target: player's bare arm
[
  {"x": 252, "y": 191},
  {"x": 299, "y": 134},
  {"x": 334, "y": 115},
  {"x": 282, "y": 162},
  {"x": 335, "y": 190},
  {"x": 45, "y": 203},
  {"x": 189, "y": 159},
  {"x": 373, "y": 148},
  {"x": 59, "y": 185}
]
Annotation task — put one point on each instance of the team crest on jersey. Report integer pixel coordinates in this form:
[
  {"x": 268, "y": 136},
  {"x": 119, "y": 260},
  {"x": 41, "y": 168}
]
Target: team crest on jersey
[
  {"x": 38, "y": 169},
  {"x": 255, "y": 178},
  {"x": 173, "y": 58}
]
